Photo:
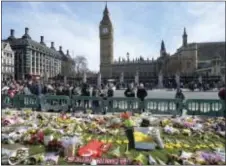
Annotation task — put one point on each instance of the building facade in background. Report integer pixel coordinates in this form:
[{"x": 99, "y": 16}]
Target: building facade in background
[
  {"x": 205, "y": 58},
  {"x": 67, "y": 64},
  {"x": 190, "y": 58},
  {"x": 34, "y": 58},
  {"x": 7, "y": 58}
]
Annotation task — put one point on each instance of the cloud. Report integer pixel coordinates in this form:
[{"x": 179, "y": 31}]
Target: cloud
[{"x": 138, "y": 27}]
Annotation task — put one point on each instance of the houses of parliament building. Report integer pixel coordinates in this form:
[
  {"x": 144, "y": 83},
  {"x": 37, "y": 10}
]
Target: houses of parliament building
[{"x": 207, "y": 58}]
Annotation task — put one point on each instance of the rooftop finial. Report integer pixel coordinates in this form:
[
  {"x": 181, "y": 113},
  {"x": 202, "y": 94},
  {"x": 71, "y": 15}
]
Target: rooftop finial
[{"x": 185, "y": 31}]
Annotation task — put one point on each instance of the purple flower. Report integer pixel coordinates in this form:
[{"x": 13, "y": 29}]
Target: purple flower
[{"x": 211, "y": 157}]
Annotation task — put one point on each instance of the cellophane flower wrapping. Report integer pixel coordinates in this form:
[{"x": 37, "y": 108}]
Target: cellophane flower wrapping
[
  {"x": 51, "y": 159},
  {"x": 69, "y": 144},
  {"x": 155, "y": 133}
]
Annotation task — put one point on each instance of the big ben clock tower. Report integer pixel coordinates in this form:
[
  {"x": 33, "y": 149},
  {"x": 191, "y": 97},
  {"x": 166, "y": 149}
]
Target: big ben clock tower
[{"x": 106, "y": 44}]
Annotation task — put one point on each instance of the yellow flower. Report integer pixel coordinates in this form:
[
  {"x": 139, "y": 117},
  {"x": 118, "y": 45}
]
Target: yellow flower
[
  {"x": 119, "y": 141},
  {"x": 110, "y": 140},
  {"x": 88, "y": 138},
  {"x": 168, "y": 147},
  {"x": 33, "y": 131},
  {"x": 197, "y": 147},
  {"x": 103, "y": 140},
  {"x": 219, "y": 145},
  {"x": 186, "y": 146},
  {"x": 190, "y": 120},
  {"x": 177, "y": 145},
  {"x": 211, "y": 145},
  {"x": 203, "y": 146},
  {"x": 125, "y": 141}
]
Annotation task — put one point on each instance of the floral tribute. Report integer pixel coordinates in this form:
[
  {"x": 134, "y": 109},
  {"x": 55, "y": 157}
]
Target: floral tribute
[{"x": 62, "y": 138}]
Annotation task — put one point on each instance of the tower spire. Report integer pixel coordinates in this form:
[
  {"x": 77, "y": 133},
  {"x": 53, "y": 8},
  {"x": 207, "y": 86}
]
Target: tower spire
[
  {"x": 185, "y": 33},
  {"x": 163, "y": 46},
  {"x": 163, "y": 49},
  {"x": 185, "y": 36},
  {"x": 106, "y": 18},
  {"x": 106, "y": 9}
]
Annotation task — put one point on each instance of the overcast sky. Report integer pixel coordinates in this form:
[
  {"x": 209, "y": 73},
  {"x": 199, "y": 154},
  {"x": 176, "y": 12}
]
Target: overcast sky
[{"x": 139, "y": 27}]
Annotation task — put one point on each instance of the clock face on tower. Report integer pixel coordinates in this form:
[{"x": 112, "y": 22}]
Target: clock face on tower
[{"x": 105, "y": 30}]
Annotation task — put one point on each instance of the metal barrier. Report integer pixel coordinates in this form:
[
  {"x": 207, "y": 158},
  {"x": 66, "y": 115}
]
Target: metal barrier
[
  {"x": 118, "y": 104},
  {"x": 26, "y": 101},
  {"x": 55, "y": 103},
  {"x": 6, "y": 101},
  {"x": 82, "y": 103},
  {"x": 205, "y": 107},
  {"x": 121, "y": 104},
  {"x": 163, "y": 106}
]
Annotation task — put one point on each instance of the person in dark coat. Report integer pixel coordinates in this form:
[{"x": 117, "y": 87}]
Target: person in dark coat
[
  {"x": 95, "y": 93},
  {"x": 129, "y": 92},
  {"x": 141, "y": 94},
  {"x": 180, "y": 96},
  {"x": 221, "y": 93},
  {"x": 110, "y": 93},
  {"x": 85, "y": 92}
]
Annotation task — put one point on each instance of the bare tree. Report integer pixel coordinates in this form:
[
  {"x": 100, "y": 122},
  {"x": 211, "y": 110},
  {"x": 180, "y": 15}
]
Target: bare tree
[
  {"x": 68, "y": 67},
  {"x": 80, "y": 64}
]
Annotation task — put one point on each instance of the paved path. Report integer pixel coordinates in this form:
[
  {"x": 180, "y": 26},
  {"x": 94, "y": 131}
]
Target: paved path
[{"x": 171, "y": 94}]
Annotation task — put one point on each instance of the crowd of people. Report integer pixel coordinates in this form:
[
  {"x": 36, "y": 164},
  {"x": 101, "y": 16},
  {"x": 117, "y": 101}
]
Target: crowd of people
[{"x": 37, "y": 87}]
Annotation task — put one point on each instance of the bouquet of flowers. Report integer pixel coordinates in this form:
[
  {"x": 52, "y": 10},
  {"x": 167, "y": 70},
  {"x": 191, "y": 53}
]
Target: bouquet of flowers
[
  {"x": 50, "y": 159},
  {"x": 171, "y": 130},
  {"x": 18, "y": 156}
]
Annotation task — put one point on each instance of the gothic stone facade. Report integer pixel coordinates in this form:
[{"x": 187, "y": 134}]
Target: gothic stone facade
[
  {"x": 113, "y": 69},
  {"x": 200, "y": 58},
  {"x": 188, "y": 59}
]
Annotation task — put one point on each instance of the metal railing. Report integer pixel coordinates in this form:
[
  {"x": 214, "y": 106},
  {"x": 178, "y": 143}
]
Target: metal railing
[
  {"x": 205, "y": 107},
  {"x": 163, "y": 106},
  {"x": 122, "y": 104},
  {"x": 116, "y": 104}
]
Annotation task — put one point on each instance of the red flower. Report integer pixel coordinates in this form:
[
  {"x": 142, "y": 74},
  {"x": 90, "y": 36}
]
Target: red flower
[
  {"x": 125, "y": 115},
  {"x": 40, "y": 136},
  {"x": 92, "y": 149}
]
